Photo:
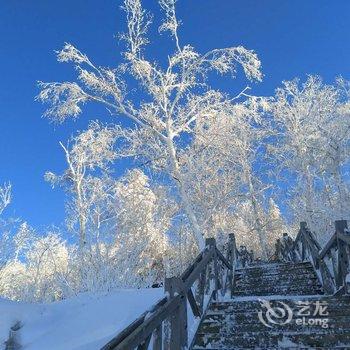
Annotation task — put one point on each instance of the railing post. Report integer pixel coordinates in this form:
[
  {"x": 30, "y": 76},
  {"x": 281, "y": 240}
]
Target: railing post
[
  {"x": 178, "y": 320},
  {"x": 343, "y": 259},
  {"x": 212, "y": 244},
  {"x": 201, "y": 290},
  {"x": 158, "y": 338},
  {"x": 303, "y": 225},
  {"x": 232, "y": 259},
  {"x": 326, "y": 277},
  {"x": 303, "y": 228},
  {"x": 341, "y": 226}
]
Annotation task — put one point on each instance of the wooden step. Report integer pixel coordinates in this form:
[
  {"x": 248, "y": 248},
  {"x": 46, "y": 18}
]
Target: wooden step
[{"x": 235, "y": 324}]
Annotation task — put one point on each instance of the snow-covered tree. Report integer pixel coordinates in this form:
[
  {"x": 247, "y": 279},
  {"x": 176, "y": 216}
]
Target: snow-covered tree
[
  {"x": 143, "y": 223},
  {"x": 16, "y": 241},
  {"x": 313, "y": 131},
  {"x": 92, "y": 200},
  {"x": 175, "y": 95},
  {"x": 275, "y": 225},
  {"x": 15, "y": 235},
  {"x": 46, "y": 264},
  {"x": 242, "y": 222},
  {"x": 226, "y": 163}
]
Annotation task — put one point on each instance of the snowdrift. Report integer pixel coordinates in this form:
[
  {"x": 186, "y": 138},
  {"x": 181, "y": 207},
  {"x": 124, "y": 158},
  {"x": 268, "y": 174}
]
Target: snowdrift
[{"x": 85, "y": 322}]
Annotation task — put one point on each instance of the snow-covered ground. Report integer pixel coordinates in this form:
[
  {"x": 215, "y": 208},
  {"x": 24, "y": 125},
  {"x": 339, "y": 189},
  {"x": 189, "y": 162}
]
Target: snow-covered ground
[{"x": 85, "y": 322}]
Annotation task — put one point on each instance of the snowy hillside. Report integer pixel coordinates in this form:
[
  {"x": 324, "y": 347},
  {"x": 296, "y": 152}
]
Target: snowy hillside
[{"x": 84, "y": 322}]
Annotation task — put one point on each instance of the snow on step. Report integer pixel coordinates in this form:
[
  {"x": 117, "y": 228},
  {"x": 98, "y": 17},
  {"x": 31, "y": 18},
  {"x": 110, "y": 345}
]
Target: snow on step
[
  {"x": 236, "y": 324},
  {"x": 284, "y": 279}
]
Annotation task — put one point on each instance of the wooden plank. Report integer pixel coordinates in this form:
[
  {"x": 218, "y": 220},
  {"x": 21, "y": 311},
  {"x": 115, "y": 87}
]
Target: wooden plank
[
  {"x": 313, "y": 240},
  {"x": 297, "y": 239},
  {"x": 343, "y": 261},
  {"x": 303, "y": 248},
  {"x": 344, "y": 238},
  {"x": 201, "y": 289},
  {"x": 178, "y": 318},
  {"x": 158, "y": 338},
  {"x": 208, "y": 256},
  {"x": 327, "y": 280},
  {"x": 166, "y": 334},
  {"x": 223, "y": 259},
  {"x": 313, "y": 249},
  {"x": 144, "y": 344},
  {"x": 340, "y": 226},
  {"x": 190, "y": 268},
  {"x": 216, "y": 274},
  {"x": 232, "y": 258},
  {"x": 139, "y": 334},
  {"x": 335, "y": 264},
  {"x": 194, "y": 306},
  {"x": 340, "y": 291},
  {"x": 133, "y": 326},
  {"x": 331, "y": 243}
]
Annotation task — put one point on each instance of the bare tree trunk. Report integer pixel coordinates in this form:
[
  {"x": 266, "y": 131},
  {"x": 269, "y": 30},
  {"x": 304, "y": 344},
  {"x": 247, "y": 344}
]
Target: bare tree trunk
[
  {"x": 309, "y": 208},
  {"x": 182, "y": 191},
  {"x": 81, "y": 214},
  {"x": 259, "y": 227},
  {"x": 341, "y": 190}
]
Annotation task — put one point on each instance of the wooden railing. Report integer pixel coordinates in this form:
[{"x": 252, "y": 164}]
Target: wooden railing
[
  {"x": 331, "y": 263},
  {"x": 164, "y": 326}
]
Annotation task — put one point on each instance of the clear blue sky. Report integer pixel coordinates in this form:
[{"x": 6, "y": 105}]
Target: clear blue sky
[{"x": 292, "y": 38}]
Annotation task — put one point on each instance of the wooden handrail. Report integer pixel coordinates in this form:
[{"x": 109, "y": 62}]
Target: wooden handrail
[
  {"x": 133, "y": 326},
  {"x": 327, "y": 248},
  {"x": 138, "y": 331},
  {"x": 306, "y": 247},
  {"x": 197, "y": 269},
  {"x": 223, "y": 259},
  {"x": 344, "y": 238},
  {"x": 173, "y": 307}
]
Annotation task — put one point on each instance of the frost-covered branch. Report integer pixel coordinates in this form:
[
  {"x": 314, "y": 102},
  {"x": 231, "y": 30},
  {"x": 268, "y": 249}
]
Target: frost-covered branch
[
  {"x": 5, "y": 196},
  {"x": 176, "y": 95}
]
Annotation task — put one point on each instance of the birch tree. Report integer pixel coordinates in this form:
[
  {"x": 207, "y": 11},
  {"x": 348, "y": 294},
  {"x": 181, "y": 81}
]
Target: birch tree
[
  {"x": 174, "y": 94},
  {"x": 7, "y": 247},
  {"x": 232, "y": 142},
  {"x": 313, "y": 125},
  {"x": 86, "y": 179}
]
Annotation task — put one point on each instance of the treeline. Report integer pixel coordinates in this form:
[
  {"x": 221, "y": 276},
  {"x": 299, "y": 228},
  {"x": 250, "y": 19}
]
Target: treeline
[{"x": 204, "y": 164}]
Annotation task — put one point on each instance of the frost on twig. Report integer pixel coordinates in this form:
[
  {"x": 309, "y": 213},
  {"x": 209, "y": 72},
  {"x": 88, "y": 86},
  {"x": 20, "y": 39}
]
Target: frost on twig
[
  {"x": 175, "y": 93},
  {"x": 5, "y": 196},
  {"x": 64, "y": 98}
]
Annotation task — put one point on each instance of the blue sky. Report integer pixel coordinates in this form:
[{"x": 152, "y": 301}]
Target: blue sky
[{"x": 292, "y": 38}]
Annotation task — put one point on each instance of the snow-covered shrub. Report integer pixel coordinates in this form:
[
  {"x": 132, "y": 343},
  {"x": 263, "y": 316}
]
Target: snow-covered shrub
[
  {"x": 14, "y": 280},
  {"x": 46, "y": 264}
]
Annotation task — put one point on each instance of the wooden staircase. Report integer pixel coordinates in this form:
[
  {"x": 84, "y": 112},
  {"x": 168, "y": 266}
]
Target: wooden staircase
[
  {"x": 277, "y": 279},
  {"x": 299, "y": 301},
  {"x": 235, "y": 323}
]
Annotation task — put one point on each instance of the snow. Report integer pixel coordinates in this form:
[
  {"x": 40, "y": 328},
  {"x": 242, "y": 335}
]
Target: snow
[
  {"x": 84, "y": 322},
  {"x": 286, "y": 343},
  {"x": 273, "y": 297}
]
